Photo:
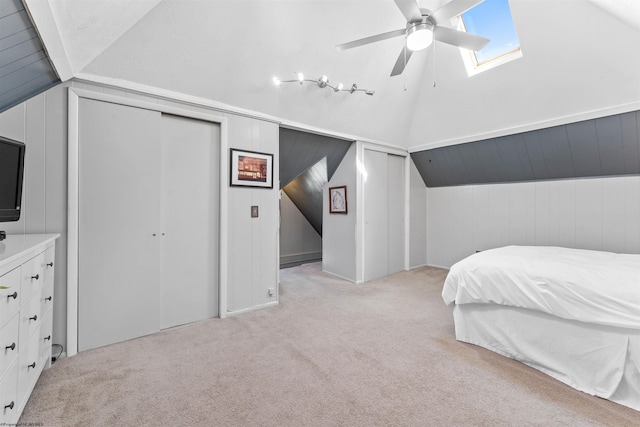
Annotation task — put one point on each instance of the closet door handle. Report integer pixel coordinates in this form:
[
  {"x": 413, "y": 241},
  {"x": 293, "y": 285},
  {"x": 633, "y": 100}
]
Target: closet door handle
[
  {"x": 10, "y": 405},
  {"x": 37, "y": 276},
  {"x": 47, "y": 338},
  {"x": 48, "y": 298},
  {"x": 13, "y": 295},
  {"x": 12, "y": 346},
  {"x": 33, "y": 365},
  {"x": 50, "y": 264},
  {"x": 34, "y": 318}
]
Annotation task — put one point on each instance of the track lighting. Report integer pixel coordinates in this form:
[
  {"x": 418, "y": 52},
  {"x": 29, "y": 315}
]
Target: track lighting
[{"x": 322, "y": 82}]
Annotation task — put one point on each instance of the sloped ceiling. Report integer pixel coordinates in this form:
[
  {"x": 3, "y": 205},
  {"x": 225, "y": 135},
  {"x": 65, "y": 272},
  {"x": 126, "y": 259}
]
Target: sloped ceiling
[{"x": 579, "y": 57}]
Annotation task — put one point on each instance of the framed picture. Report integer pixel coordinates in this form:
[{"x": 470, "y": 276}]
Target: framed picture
[
  {"x": 251, "y": 169},
  {"x": 338, "y": 199}
]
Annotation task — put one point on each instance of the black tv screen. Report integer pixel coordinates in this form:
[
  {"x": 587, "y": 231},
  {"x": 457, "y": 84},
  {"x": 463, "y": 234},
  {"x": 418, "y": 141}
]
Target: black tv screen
[{"x": 11, "y": 175}]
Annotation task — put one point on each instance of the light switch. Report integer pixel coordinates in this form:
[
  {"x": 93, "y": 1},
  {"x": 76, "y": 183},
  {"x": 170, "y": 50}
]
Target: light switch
[{"x": 254, "y": 212}]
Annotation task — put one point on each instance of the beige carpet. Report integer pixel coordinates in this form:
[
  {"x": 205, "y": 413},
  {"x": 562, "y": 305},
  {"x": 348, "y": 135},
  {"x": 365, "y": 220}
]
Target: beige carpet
[{"x": 331, "y": 354}]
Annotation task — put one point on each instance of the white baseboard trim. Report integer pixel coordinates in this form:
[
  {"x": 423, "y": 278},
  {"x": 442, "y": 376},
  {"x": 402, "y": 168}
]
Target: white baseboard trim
[
  {"x": 339, "y": 276},
  {"x": 438, "y": 266},
  {"x": 300, "y": 258},
  {"x": 413, "y": 267},
  {"x": 247, "y": 310}
]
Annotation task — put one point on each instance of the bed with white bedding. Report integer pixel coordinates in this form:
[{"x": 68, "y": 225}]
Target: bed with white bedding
[{"x": 573, "y": 314}]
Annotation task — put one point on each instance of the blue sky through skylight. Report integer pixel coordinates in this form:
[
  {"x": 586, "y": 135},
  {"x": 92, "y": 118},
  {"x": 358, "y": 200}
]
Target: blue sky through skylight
[{"x": 492, "y": 19}]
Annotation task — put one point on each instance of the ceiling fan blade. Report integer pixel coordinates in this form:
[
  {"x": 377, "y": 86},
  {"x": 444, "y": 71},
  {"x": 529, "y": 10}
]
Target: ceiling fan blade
[
  {"x": 371, "y": 39},
  {"x": 401, "y": 62},
  {"x": 410, "y": 9},
  {"x": 453, "y": 8},
  {"x": 460, "y": 38}
]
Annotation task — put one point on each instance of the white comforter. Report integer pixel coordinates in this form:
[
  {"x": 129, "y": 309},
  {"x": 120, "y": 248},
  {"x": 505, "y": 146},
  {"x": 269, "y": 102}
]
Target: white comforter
[{"x": 588, "y": 286}]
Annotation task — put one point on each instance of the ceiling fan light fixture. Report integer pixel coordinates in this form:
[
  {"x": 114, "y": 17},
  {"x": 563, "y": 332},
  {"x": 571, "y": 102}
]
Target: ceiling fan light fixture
[{"x": 419, "y": 36}]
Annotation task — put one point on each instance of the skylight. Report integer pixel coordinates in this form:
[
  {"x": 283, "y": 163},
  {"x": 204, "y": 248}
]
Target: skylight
[{"x": 490, "y": 19}]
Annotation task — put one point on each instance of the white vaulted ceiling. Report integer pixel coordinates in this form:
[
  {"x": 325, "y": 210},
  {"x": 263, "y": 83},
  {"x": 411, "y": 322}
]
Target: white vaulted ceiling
[{"x": 580, "y": 58}]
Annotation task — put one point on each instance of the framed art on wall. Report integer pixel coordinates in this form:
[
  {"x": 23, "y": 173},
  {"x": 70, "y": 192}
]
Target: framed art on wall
[
  {"x": 251, "y": 169},
  {"x": 338, "y": 199}
]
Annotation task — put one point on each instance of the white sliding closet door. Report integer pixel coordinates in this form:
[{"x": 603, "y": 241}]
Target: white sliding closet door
[
  {"x": 376, "y": 216},
  {"x": 384, "y": 214},
  {"x": 190, "y": 194},
  {"x": 119, "y": 201},
  {"x": 148, "y": 222},
  {"x": 396, "y": 208}
]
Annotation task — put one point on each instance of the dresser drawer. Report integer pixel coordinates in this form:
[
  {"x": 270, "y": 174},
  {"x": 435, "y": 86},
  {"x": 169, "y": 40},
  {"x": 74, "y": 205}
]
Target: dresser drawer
[
  {"x": 29, "y": 367},
  {"x": 49, "y": 265},
  {"x": 46, "y": 338},
  {"x": 47, "y": 297},
  {"x": 31, "y": 316},
  {"x": 9, "y": 344},
  {"x": 32, "y": 273},
  {"x": 9, "y": 395},
  {"x": 10, "y": 298}
]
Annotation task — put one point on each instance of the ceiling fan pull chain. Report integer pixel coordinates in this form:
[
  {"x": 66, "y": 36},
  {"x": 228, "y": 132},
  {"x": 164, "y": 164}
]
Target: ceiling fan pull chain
[{"x": 434, "y": 58}]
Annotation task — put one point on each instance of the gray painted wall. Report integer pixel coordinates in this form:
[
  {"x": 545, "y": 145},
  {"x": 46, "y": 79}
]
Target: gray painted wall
[
  {"x": 25, "y": 69},
  {"x": 607, "y": 146}
]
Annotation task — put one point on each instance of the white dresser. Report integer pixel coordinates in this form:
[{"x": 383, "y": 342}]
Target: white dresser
[{"x": 26, "y": 314}]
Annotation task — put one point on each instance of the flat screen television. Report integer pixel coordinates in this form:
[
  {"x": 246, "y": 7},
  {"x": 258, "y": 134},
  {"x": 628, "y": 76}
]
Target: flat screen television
[{"x": 11, "y": 175}]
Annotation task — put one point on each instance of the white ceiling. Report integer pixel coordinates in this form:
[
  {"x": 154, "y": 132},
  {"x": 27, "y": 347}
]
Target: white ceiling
[{"x": 580, "y": 58}]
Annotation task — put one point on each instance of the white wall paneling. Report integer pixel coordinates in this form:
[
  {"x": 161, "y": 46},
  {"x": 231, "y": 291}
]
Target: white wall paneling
[
  {"x": 339, "y": 256},
  {"x": 418, "y": 218},
  {"x": 41, "y": 124},
  {"x": 299, "y": 241},
  {"x": 595, "y": 213}
]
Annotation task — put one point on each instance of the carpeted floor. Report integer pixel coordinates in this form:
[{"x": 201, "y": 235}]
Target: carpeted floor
[{"x": 330, "y": 354}]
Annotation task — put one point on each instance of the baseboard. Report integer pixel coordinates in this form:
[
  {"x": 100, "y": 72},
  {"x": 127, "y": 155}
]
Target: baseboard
[
  {"x": 413, "y": 267},
  {"x": 339, "y": 276},
  {"x": 301, "y": 258},
  {"x": 247, "y": 310}
]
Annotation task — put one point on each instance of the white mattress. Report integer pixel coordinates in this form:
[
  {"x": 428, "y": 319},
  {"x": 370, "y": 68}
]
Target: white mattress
[{"x": 589, "y": 286}]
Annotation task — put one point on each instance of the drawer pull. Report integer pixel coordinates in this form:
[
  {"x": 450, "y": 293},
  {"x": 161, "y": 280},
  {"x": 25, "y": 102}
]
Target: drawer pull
[
  {"x": 37, "y": 276},
  {"x": 34, "y": 318},
  {"x": 33, "y": 365},
  {"x": 48, "y": 298},
  {"x": 12, "y": 346},
  {"x": 10, "y": 405},
  {"x": 50, "y": 264},
  {"x": 47, "y": 338},
  {"x": 13, "y": 295}
]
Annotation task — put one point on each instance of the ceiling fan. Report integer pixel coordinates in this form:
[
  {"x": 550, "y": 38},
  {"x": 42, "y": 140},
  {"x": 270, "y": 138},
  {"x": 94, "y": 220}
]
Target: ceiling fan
[{"x": 423, "y": 26}]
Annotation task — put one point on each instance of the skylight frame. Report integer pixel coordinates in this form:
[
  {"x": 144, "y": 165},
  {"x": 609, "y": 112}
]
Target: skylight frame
[{"x": 470, "y": 59}]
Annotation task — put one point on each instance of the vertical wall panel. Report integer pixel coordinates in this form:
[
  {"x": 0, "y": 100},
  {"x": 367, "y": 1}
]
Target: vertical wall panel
[
  {"x": 418, "y": 218},
  {"x": 35, "y": 186},
  {"x": 480, "y": 215},
  {"x": 632, "y": 213},
  {"x": 584, "y": 147},
  {"x": 588, "y": 216},
  {"x": 614, "y": 208}
]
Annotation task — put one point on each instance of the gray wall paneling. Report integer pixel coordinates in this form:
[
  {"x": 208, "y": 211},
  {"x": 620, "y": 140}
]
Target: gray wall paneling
[
  {"x": 306, "y": 193},
  {"x": 25, "y": 69},
  {"x": 607, "y": 146}
]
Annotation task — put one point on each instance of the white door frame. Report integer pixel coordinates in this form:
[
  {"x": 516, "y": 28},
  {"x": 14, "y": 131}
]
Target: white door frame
[{"x": 73, "y": 197}]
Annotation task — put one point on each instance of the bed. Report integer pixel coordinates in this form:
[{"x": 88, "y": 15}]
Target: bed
[{"x": 572, "y": 314}]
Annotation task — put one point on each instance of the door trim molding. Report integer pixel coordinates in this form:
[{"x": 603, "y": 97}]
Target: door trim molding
[{"x": 73, "y": 196}]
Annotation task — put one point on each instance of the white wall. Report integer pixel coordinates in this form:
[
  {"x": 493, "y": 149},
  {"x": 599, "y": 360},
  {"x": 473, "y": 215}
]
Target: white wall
[
  {"x": 252, "y": 252},
  {"x": 299, "y": 241},
  {"x": 598, "y": 213},
  {"x": 418, "y": 219},
  {"x": 339, "y": 230}
]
